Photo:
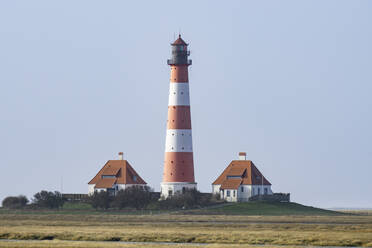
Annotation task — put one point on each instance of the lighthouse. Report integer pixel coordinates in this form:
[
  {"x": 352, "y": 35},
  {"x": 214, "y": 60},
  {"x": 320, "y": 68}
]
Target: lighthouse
[{"x": 178, "y": 174}]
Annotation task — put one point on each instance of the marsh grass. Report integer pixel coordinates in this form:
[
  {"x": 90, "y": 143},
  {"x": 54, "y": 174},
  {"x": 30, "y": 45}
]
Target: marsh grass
[
  {"x": 79, "y": 244},
  {"x": 223, "y": 230}
]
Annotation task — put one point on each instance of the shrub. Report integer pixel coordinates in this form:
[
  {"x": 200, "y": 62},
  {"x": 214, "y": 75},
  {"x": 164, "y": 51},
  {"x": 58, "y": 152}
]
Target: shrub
[
  {"x": 101, "y": 200},
  {"x": 15, "y": 202},
  {"x": 137, "y": 197},
  {"x": 48, "y": 199},
  {"x": 190, "y": 198}
]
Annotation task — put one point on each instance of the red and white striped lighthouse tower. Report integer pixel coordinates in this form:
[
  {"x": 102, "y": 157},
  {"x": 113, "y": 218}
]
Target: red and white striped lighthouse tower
[{"x": 178, "y": 163}]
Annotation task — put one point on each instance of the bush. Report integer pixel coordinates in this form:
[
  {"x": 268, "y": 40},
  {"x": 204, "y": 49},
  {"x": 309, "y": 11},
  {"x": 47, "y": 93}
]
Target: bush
[
  {"x": 15, "y": 202},
  {"x": 138, "y": 197},
  {"x": 48, "y": 199},
  {"x": 101, "y": 200},
  {"x": 190, "y": 198}
]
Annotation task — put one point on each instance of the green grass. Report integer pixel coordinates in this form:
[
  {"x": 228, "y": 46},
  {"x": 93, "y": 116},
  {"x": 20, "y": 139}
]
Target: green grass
[
  {"x": 266, "y": 208},
  {"x": 246, "y": 208},
  {"x": 77, "y": 206}
]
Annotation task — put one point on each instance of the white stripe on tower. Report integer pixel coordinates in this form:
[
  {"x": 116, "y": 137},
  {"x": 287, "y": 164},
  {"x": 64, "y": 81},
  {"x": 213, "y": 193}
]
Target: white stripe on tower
[
  {"x": 178, "y": 140},
  {"x": 179, "y": 94}
]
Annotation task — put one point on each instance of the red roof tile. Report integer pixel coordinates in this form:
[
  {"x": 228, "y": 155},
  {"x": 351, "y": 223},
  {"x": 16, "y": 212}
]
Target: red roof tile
[
  {"x": 252, "y": 175},
  {"x": 111, "y": 171},
  {"x": 105, "y": 183},
  {"x": 237, "y": 171},
  {"x": 231, "y": 183},
  {"x": 121, "y": 169}
]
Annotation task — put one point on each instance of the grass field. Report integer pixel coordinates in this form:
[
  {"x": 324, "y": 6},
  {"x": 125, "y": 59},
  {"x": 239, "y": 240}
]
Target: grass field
[
  {"x": 266, "y": 208},
  {"x": 308, "y": 226},
  {"x": 79, "y": 244}
]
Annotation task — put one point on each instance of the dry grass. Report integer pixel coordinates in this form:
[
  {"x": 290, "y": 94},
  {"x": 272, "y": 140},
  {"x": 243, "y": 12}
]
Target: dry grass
[
  {"x": 219, "y": 230},
  {"x": 79, "y": 244},
  {"x": 357, "y": 212}
]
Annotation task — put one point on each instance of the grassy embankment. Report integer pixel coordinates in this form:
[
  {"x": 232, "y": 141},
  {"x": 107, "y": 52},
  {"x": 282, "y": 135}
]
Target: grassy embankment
[
  {"x": 309, "y": 226},
  {"x": 265, "y": 208}
]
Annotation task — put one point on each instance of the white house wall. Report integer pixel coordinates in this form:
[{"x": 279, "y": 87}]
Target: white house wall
[
  {"x": 91, "y": 189},
  {"x": 233, "y": 196},
  {"x": 117, "y": 187},
  {"x": 248, "y": 191},
  {"x": 216, "y": 188},
  {"x": 175, "y": 187}
]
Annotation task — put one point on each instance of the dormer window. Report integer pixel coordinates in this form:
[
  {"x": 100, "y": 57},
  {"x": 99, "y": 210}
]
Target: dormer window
[
  {"x": 108, "y": 176},
  {"x": 234, "y": 177}
]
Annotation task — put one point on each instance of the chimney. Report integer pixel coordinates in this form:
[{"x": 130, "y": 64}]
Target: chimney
[
  {"x": 121, "y": 155},
  {"x": 242, "y": 156}
]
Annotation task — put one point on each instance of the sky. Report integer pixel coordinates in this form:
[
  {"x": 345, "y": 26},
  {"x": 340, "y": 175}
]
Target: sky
[{"x": 287, "y": 82}]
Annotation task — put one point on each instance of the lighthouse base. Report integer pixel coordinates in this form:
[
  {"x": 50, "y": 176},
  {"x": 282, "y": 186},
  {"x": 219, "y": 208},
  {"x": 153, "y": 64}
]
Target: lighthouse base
[{"x": 171, "y": 188}]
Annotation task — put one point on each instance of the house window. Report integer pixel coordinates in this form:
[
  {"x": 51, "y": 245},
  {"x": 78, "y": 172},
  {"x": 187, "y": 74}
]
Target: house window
[
  {"x": 170, "y": 192},
  {"x": 134, "y": 178},
  {"x": 183, "y": 190},
  {"x": 265, "y": 190},
  {"x": 259, "y": 191},
  {"x": 253, "y": 192},
  {"x": 242, "y": 189},
  {"x": 233, "y": 193},
  {"x": 108, "y": 176},
  {"x": 234, "y": 177},
  {"x": 228, "y": 193}
]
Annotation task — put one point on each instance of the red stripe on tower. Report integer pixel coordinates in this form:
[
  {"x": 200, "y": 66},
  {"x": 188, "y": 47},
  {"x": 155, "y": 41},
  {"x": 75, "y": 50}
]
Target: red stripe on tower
[{"x": 178, "y": 162}]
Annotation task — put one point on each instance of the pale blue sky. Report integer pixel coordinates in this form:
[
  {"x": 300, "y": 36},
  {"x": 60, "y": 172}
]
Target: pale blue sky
[{"x": 288, "y": 82}]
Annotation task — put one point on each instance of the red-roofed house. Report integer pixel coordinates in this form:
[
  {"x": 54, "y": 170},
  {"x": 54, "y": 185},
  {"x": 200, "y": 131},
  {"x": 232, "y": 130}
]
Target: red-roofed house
[
  {"x": 114, "y": 176},
  {"x": 241, "y": 180}
]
